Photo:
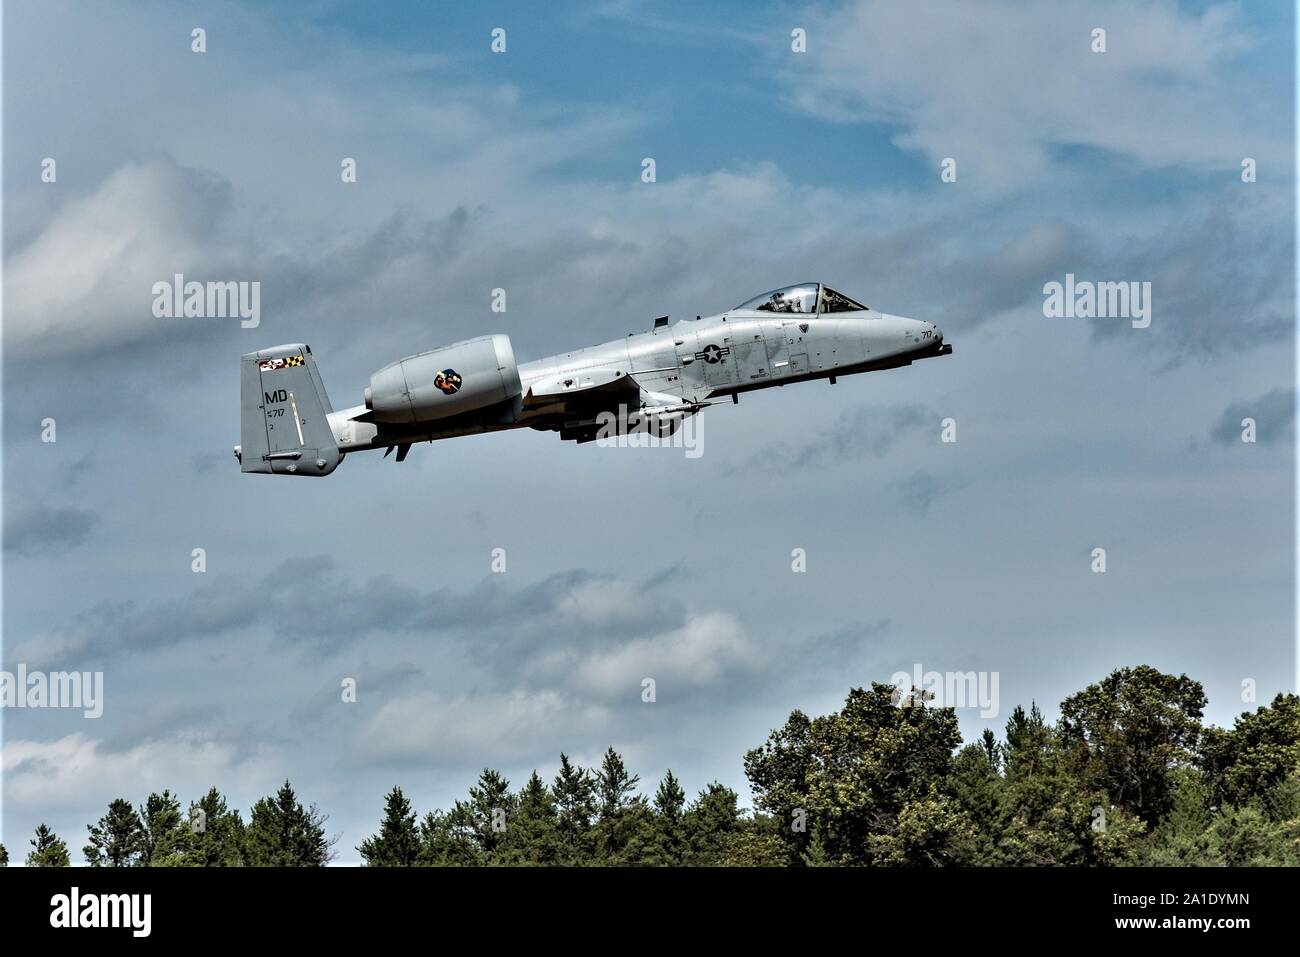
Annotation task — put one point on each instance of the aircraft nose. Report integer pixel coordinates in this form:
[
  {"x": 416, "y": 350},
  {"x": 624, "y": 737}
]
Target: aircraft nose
[{"x": 926, "y": 334}]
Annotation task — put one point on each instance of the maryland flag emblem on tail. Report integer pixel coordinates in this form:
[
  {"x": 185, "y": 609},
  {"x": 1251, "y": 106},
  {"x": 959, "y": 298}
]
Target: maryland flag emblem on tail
[{"x": 285, "y": 362}]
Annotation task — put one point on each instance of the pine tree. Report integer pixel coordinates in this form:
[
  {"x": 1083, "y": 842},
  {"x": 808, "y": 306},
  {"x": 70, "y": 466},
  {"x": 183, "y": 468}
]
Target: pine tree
[
  {"x": 491, "y": 807},
  {"x": 614, "y": 785},
  {"x": 978, "y": 791},
  {"x": 397, "y": 844},
  {"x": 216, "y": 833},
  {"x": 989, "y": 742},
  {"x": 165, "y": 835},
  {"x": 1182, "y": 838},
  {"x": 815, "y": 855},
  {"x": 615, "y": 826},
  {"x": 4, "y": 856},
  {"x": 669, "y": 805},
  {"x": 532, "y": 836},
  {"x": 283, "y": 833},
  {"x": 575, "y": 804},
  {"x": 1029, "y": 742},
  {"x": 638, "y": 838},
  {"x": 48, "y": 850},
  {"x": 448, "y": 840},
  {"x": 117, "y": 840},
  {"x": 711, "y": 823}
]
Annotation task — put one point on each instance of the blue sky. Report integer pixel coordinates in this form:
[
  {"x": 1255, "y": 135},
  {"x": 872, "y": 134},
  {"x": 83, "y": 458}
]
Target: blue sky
[{"x": 521, "y": 171}]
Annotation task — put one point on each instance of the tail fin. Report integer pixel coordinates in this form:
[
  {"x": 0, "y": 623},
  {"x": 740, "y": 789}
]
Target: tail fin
[{"x": 284, "y": 424}]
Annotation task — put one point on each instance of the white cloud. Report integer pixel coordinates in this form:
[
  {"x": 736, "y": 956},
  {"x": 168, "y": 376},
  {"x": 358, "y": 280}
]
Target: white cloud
[
  {"x": 87, "y": 279},
  {"x": 997, "y": 85},
  {"x": 440, "y": 728},
  {"x": 58, "y": 781},
  {"x": 700, "y": 652}
]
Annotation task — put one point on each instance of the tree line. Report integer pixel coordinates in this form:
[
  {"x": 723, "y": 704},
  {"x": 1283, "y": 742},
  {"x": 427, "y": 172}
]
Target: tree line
[{"x": 1128, "y": 775}]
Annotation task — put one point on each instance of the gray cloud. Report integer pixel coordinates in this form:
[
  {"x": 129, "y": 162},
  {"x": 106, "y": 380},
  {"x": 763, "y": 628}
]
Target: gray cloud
[
  {"x": 919, "y": 491},
  {"x": 861, "y": 432},
  {"x": 1222, "y": 281},
  {"x": 309, "y": 603},
  {"x": 37, "y": 530},
  {"x": 370, "y": 680},
  {"x": 848, "y": 641},
  {"x": 1274, "y": 415}
]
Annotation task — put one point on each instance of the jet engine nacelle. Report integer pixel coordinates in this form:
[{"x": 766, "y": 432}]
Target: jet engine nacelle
[{"x": 449, "y": 381}]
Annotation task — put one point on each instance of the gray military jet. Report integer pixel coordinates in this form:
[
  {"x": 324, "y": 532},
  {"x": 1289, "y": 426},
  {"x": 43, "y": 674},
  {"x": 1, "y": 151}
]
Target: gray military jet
[{"x": 661, "y": 377}]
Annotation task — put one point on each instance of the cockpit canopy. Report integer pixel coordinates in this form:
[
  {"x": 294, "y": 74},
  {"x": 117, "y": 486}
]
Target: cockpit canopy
[{"x": 806, "y": 298}]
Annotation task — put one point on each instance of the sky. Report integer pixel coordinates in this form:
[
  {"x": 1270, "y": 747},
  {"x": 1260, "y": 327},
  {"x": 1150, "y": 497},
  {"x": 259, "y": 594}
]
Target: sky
[{"x": 522, "y": 170}]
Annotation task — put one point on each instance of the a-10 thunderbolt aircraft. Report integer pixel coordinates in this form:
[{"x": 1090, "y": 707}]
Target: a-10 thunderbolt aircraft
[{"x": 795, "y": 334}]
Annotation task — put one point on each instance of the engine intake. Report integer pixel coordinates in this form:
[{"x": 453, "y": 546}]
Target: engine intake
[{"x": 433, "y": 385}]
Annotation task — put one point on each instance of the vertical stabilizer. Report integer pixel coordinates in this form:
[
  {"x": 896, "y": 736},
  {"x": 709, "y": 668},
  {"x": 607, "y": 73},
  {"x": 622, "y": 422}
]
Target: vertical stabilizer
[{"x": 284, "y": 416}]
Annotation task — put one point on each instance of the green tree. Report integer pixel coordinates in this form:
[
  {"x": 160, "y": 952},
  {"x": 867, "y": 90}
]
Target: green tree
[
  {"x": 1182, "y": 838},
  {"x": 448, "y": 839},
  {"x": 780, "y": 773},
  {"x": 491, "y": 807},
  {"x": 979, "y": 792},
  {"x": 216, "y": 836},
  {"x": 712, "y": 822},
  {"x": 1052, "y": 815},
  {"x": 48, "y": 850},
  {"x": 989, "y": 742},
  {"x": 634, "y": 840},
  {"x": 1030, "y": 743},
  {"x": 283, "y": 833},
  {"x": 670, "y": 829},
  {"x": 1256, "y": 754},
  {"x": 397, "y": 844},
  {"x": 624, "y": 826},
  {"x": 1130, "y": 731},
  {"x": 165, "y": 835},
  {"x": 757, "y": 843},
  {"x": 1245, "y": 837},
  {"x": 532, "y": 835},
  {"x": 928, "y": 832},
  {"x": 117, "y": 839},
  {"x": 4, "y": 856},
  {"x": 575, "y": 805},
  {"x": 852, "y": 773},
  {"x": 1263, "y": 832},
  {"x": 614, "y": 784}
]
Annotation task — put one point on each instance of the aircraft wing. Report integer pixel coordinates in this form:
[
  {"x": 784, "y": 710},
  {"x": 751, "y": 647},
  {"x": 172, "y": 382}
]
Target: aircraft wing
[
  {"x": 590, "y": 388},
  {"x": 572, "y": 402}
]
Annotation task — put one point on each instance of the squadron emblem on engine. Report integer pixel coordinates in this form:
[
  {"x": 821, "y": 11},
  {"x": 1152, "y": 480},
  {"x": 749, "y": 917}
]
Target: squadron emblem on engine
[{"x": 448, "y": 381}]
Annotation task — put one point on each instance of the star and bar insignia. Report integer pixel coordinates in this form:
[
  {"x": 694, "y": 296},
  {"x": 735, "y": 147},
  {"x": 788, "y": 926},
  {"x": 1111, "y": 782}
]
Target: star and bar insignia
[{"x": 713, "y": 354}]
